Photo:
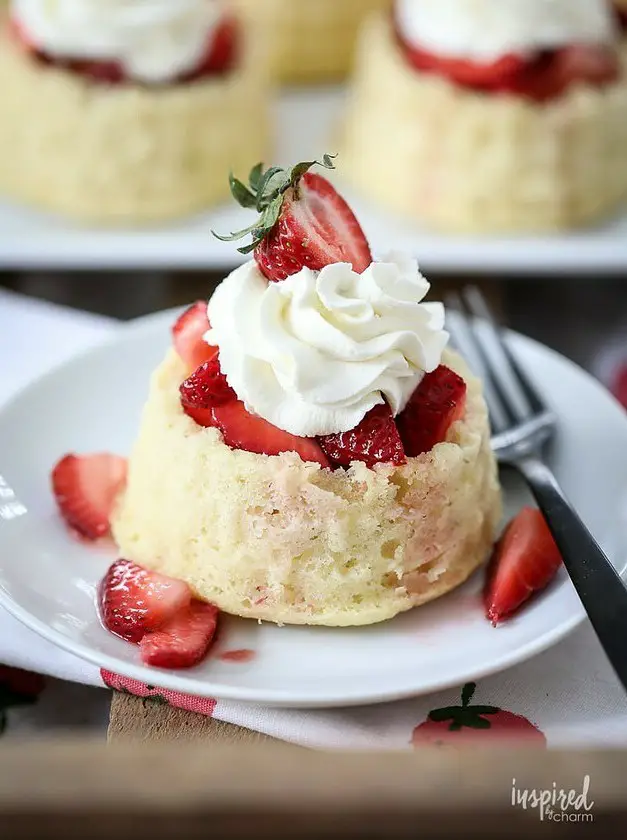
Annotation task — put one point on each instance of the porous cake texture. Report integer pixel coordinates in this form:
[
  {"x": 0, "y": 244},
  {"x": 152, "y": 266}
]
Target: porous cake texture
[
  {"x": 469, "y": 162},
  {"x": 278, "y": 539}
]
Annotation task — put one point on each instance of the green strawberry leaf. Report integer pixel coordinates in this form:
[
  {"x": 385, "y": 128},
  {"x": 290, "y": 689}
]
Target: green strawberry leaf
[
  {"x": 254, "y": 179},
  {"x": 241, "y": 193}
]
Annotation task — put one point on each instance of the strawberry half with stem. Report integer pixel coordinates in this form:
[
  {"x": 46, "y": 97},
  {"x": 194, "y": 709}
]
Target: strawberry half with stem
[
  {"x": 85, "y": 488},
  {"x": 374, "y": 441},
  {"x": 188, "y": 336},
  {"x": 184, "y": 640},
  {"x": 435, "y": 405},
  {"x": 303, "y": 221},
  {"x": 525, "y": 560},
  {"x": 134, "y": 601}
]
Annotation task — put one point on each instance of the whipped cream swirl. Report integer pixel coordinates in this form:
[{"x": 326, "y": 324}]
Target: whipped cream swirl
[
  {"x": 485, "y": 30},
  {"x": 153, "y": 40},
  {"x": 314, "y": 353}
]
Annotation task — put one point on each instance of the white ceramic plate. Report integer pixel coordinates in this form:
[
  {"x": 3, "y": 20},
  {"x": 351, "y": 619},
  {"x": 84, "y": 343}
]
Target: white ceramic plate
[
  {"x": 306, "y": 125},
  {"x": 47, "y": 580}
]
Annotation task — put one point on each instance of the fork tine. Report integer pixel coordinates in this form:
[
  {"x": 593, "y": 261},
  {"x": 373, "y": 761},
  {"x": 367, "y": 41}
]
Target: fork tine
[
  {"x": 513, "y": 384},
  {"x": 465, "y": 342}
]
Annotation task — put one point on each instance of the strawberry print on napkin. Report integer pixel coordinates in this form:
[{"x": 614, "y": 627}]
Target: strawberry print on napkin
[{"x": 467, "y": 724}]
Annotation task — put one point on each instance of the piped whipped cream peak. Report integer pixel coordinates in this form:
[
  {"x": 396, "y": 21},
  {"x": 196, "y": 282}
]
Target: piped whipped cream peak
[
  {"x": 485, "y": 30},
  {"x": 153, "y": 40},
  {"x": 314, "y": 353}
]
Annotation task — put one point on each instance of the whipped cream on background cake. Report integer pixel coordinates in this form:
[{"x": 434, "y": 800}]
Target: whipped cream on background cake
[
  {"x": 484, "y": 30},
  {"x": 153, "y": 40}
]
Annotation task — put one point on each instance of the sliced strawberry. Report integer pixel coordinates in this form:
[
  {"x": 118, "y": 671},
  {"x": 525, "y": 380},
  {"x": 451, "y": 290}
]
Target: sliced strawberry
[
  {"x": 374, "y": 441},
  {"x": 206, "y": 387},
  {"x": 304, "y": 222},
  {"x": 85, "y": 488},
  {"x": 541, "y": 78},
  {"x": 525, "y": 560},
  {"x": 242, "y": 430},
  {"x": 483, "y": 76},
  {"x": 553, "y": 73},
  {"x": 435, "y": 405},
  {"x": 618, "y": 384},
  {"x": 188, "y": 332},
  {"x": 184, "y": 640},
  {"x": 134, "y": 601},
  {"x": 222, "y": 51},
  {"x": 316, "y": 228}
]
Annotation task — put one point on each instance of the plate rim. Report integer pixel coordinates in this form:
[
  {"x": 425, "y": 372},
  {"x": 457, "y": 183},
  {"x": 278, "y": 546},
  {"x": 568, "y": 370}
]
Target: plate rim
[{"x": 190, "y": 685}]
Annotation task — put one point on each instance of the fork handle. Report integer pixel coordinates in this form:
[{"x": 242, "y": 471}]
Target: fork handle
[{"x": 598, "y": 585}]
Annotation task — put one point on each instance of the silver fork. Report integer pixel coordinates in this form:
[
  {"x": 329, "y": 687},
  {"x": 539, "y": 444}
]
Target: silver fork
[{"x": 522, "y": 424}]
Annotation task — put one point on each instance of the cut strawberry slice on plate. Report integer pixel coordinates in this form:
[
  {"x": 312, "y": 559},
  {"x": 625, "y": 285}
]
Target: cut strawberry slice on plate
[
  {"x": 134, "y": 601},
  {"x": 435, "y": 405},
  {"x": 374, "y": 441},
  {"x": 304, "y": 222},
  {"x": 206, "y": 387},
  {"x": 184, "y": 640},
  {"x": 525, "y": 560},
  {"x": 85, "y": 488},
  {"x": 188, "y": 332},
  {"x": 242, "y": 430}
]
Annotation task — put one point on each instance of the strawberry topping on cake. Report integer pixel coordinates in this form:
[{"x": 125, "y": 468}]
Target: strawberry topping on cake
[
  {"x": 374, "y": 441},
  {"x": 188, "y": 336},
  {"x": 546, "y": 49},
  {"x": 219, "y": 57},
  {"x": 435, "y": 405}
]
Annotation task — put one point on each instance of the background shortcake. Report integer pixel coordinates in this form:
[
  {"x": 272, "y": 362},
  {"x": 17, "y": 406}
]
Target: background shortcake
[
  {"x": 491, "y": 115},
  {"x": 128, "y": 111}
]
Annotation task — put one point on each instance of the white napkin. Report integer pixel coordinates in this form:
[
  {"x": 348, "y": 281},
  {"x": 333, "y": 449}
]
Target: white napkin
[{"x": 569, "y": 692}]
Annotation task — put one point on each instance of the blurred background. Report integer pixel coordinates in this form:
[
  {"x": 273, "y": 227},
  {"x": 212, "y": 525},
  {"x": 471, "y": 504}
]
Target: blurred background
[{"x": 77, "y": 225}]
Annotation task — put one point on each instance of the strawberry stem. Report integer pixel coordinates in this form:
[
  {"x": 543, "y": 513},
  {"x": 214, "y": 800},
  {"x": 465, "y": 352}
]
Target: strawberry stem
[{"x": 265, "y": 192}]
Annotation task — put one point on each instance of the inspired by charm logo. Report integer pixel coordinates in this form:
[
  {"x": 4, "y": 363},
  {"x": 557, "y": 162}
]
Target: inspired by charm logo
[{"x": 556, "y": 803}]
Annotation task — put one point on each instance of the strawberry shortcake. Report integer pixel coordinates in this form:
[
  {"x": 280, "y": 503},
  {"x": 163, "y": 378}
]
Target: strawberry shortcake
[
  {"x": 491, "y": 115},
  {"x": 310, "y": 451},
  {"x": 123, "y": 111},
  {"x": 310, "y": 41}
]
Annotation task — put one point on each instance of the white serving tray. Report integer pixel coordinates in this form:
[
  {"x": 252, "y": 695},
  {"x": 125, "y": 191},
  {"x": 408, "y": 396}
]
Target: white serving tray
[{"x": 306, "y": 125}]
